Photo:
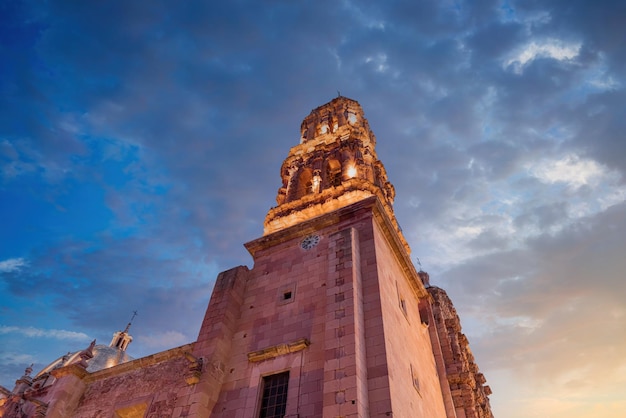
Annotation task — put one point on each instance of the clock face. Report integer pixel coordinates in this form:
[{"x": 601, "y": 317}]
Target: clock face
[{"x": 310, "y": 242}]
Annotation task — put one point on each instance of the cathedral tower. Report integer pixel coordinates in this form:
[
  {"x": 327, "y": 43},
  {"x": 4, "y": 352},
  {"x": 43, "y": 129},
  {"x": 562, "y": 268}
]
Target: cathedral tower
[{"x": 333, "y": 318}]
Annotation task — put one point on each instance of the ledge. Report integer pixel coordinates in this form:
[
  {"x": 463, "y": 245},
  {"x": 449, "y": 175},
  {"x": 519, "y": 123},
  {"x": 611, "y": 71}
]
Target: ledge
[
  {"x": 278, "y": 350},
  {"x": 317, "y": 204}
]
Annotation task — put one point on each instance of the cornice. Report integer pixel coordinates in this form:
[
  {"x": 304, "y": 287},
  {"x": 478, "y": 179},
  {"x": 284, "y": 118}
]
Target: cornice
[
  {"x": 387, "y": 224},
  {"x": 278, "y": 350}
]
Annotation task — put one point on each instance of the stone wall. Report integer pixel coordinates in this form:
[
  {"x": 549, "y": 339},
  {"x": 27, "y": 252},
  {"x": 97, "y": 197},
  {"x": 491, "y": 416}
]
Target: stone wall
[
  {"x": 154, "y": 389},
  {"x": 414, "y": 386}
]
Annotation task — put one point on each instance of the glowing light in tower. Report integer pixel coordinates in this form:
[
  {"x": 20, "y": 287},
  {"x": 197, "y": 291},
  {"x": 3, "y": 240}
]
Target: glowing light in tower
[{"x": 351, "y": 171}]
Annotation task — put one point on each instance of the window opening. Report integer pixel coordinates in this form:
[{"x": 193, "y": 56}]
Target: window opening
[
  {"x": 274, "y": 399},
  {"x": 424, "y": 313},
  {"x": 403, "y": 306},
  {"x": 304, "y": 185},
  {"x": 286, "y": 294},
  {"x": 333, "y": 172},
  {"x": 402, "y": 302}
]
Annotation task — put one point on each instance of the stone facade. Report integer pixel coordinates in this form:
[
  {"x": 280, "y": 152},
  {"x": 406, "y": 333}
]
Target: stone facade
[
  {"x": 332, "y": 299},
  {"x": 467, "y": 387}
]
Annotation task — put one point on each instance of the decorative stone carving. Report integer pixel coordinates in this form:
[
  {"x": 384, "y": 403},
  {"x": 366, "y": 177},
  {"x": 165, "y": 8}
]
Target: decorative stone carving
[
  {"x": 466, "y": 382},
  {"x": 329, "y": 163},
  {"x": 86, "y": 355},
  {"x": 216, "y": 369},
  {"x": 194, "y": 369}
]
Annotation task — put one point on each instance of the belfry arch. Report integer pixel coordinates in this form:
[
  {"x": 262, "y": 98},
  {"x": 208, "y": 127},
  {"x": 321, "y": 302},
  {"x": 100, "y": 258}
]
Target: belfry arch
[
  {"x": 301, "y": 184},
  {"x": 333, "y": 173}
]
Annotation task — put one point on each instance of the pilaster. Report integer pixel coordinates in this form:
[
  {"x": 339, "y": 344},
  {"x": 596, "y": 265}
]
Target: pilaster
[{"x": 345, "y": 367}]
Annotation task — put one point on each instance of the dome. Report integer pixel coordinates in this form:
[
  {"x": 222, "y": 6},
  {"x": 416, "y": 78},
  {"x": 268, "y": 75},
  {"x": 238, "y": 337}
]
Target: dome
[{"x": 103, "y": 358}]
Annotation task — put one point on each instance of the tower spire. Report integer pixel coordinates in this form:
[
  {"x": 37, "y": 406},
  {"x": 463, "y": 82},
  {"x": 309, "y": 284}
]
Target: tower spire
[
  {"x": 130, "y": 322},
  {"x": 121, "y": 339}
]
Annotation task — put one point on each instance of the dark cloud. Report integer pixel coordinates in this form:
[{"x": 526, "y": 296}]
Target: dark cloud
[
  {"x": 491, "y": 43},
  {"x": 543, "y": 216},
  {"x": 601, "y": 128}
]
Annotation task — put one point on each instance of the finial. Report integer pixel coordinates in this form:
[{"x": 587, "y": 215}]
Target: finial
[
  {"x": 338, "y": 93},
  {"x": 85, "y": 355},
  {"x": 131, "y": 321},
  {"x": 422, "y": 274},
  {"x": 63, "y": 361},
  {"x": 29, "y": 370}
]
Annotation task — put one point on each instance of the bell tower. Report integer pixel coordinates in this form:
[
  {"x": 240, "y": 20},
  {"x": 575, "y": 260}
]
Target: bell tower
[
  {"x": 334, "y": 165},
  {"x": 330, "y": 315}
]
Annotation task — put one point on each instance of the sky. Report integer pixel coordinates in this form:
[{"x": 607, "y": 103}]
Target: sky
[{"x": 141, "y": 144}]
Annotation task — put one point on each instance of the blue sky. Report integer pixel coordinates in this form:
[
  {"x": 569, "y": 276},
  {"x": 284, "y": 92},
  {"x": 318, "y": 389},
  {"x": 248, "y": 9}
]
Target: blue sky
[{"x": 141, "y": 143}]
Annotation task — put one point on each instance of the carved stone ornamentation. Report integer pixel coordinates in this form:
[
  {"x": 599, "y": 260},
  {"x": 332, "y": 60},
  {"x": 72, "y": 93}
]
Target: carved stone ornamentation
[
  {"x": 467, "y": 384},
  {"x": 194, "y": 369}
]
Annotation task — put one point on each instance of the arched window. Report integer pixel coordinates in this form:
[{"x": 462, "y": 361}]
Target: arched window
[
  {"x": 333, "y": 173},
  {"x": 303, "y": 185}
]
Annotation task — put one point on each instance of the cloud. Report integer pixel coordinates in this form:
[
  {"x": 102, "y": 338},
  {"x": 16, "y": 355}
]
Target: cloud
[
  {"x": 164, "y": 340},
  {"x": 570, "y": 170},
  {"x": 12, "y": 264},
  {"x": 550, "y": 48},
  {"x": 16, "y": 358},
  {"x": 32, "y": 332}
]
